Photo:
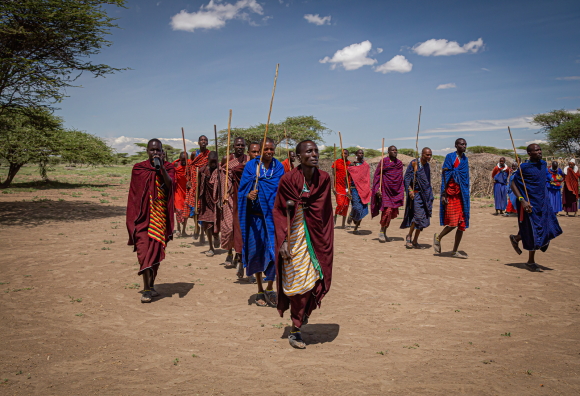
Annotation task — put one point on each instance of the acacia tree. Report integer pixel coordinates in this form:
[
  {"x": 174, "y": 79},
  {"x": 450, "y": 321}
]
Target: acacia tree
[
  {"x": 562, "y": 129},
  {"x": 45, "y": 45},
  {"x": 36, "y": 135}
]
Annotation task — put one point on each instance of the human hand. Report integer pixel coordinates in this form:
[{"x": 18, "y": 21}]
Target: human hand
[
  {"x": 411, "y": 194},
  {"x": 444, "y": 199},
  {"x": 253, "y": 195},
  {"x": 284, "y": 251},
  {"x": 527, "y": 207}
]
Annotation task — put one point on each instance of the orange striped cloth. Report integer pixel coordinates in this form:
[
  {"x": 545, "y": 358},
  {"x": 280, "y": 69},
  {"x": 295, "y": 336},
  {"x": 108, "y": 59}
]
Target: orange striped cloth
[{"x": 158, "y": 214}]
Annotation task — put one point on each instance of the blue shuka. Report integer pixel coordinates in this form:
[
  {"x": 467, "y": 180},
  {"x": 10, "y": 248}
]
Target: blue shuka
[
  {"x": 538, "y": 228},
  {"x": 461, "y": 177},
  {"x": 555, "y": 188},
  {"x": 256, "y": 219},
  {"x": 419, "y": 209},
  {"x": 500, "y": 188}
]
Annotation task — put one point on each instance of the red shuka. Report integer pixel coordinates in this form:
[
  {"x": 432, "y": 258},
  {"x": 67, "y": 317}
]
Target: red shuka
[
  {"x": 317, "y": 205},
  {"x": 149, "y": 252}
]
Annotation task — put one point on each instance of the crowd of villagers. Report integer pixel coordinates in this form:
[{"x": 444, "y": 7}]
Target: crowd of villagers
[{"x": 276, "y": 219}]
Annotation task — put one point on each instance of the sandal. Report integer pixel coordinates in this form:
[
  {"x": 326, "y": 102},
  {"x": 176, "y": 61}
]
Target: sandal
[
  {"x": 296, "y": 341},
  {"x": 436, "y": 244},
  {"x": 515, "y": 244},
  {"x": 417, "y": 246},
  {"x": 209, "y": 253},
  {"x": 271, "y": 298},
  {"x": 146, "y": 297},
  {"x": 382, "y": 237},
  {"x": 533, "y": 267},
  {"x": 240, "y": 272},
  {"x": 154, "y": 293},
  {"x": 261, "y": 300},
  {"x": 408, "y": 243},
  {"x": 460, "y": 255}
]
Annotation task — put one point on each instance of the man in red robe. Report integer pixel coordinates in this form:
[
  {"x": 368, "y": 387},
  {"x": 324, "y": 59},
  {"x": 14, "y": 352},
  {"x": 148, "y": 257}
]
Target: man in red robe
[
  {"x": 180, "y": 188},
  {"x": 570, "y": 189},
  {"x": 209, "y": 197},
  {"x": 340, "y": 186},
  {"x": 231, "y": 233},
  {"x": 150, "y": 214},
  {"x": 197, "y": 162},
  {"x": 289, "y": 162},
  {"x": 304, "y": 251}
]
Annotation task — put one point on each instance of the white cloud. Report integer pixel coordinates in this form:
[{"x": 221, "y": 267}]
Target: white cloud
[
  {"x": 379, "y": 50},
  {"x": 446, "y": 86},
  {"x": 537, "y": 141},
  {"x": 424, "y": 137},
  {"x": 352, "y": 57},
  {"x": 484, "y": 69},
  {"x": 214, "y": 15},
  {"x": 317, "y": 19},
  {"x": 398, "y": 64},
  {"x": 485, "y": 125},
  {"x": 125, "y": 144},
  {"x": 569, "y": 78},
  {"x": 444, "y": 47}
]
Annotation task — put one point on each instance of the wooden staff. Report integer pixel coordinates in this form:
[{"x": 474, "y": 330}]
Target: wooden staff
[
  {"x": 289, "y": 204},
  {"x": 184, "y": 149},
  {"x": 518, "y": 161},
  {"x": 335, "y": 167},
  {"x": 225, "y": 197},
  {"x": 417, "y": 149},
  {"x": 266, "y": 131},
  {"x": 196, "y": 195},
  {"x": 218, "y": 170},
  {"x": 382, "y": 157},
  {"x": 344, "y": 161}
]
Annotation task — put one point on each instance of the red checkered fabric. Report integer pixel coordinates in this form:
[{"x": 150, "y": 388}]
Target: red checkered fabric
[{"x": 387, "y": 215}]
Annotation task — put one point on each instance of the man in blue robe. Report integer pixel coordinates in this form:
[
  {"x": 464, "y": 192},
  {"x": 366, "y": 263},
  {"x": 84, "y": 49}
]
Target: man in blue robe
[
  {"x": 536, "y": 219},
  {"x": 500, "y": 176},
  {"x": 255, "y": 205},
  {"x": 419, "y": 203}
]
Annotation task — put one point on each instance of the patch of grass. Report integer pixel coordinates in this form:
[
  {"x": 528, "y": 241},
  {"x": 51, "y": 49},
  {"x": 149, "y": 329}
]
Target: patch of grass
[
  {"x": 132, "y": 285},
  {"x": 27, "y": 276},
  {"x": 20, "y": 372},
  {"x": 506, "y": 334},
  {"x": 184, "y": 245},
  {"x": 382, "y": 352},
  {"x": 529, "y": 372},
  {"x": 104, "y": 194},
  {"x": 526, "y": 314},
  {"x": 104, "y": 201},
  {"x": 4, "y": 283},
  {"x": 478, "y": 288},
  {"x": 457, "y": 310},
  {"x": 114, "y": 175},
  {"x": 279, "y": 325},
  {"x": 80, "y": 314},
  {"x": 487, "y": 361},
  {"x": 105, "y": 248},
  {"x": 187, "y": 265},
  {"x": 17, "y": 290},
  {"x": 108, "y": 241},
  {"x": 194, "y": 355},
  {"x": 74, "y": 300},
  {"x": 115, "y": 198},
  {"x": 97, "y": 189},
  {"x": 94, "y": 196},
  {"x": 175, "y": 361}
]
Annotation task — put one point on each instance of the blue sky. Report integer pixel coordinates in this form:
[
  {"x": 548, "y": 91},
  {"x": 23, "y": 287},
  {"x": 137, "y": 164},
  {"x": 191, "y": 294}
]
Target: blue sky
[{"x": 361, "y": 67}]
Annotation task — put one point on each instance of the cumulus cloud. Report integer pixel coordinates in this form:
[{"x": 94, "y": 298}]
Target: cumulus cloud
[
  {"x": 485, "y": 125},
  {"x": 379, "y": 50},
  {"x": 352, "y": 57},
  {"x": 214, "y": 15},
  {"x": 317, "y": 19},
  {"x": 446, "y": 86},
  {"x": 398, "y": 64},
  {"x": 125, "y": 144},
  {"x": 537, "y": 141},
  {"x": 569, "y": 78},
  {"x": 444, "y": 47}
]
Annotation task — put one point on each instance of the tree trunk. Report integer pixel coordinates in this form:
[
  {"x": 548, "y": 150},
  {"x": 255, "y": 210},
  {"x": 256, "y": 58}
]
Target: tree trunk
[{"x": 12, "y": 171}]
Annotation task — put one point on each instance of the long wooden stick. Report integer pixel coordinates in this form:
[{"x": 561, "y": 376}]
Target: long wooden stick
[
  {"x": 334, "y": 162},
  {"x": 219, "y": 186},
  {"x": 382, "y": 158},
  {"x": 417, "y": 148},
  {"x": 266, "y": 131},
  {"x": 344, "y": 161},
  {"x": 196, "y": 194},
  {"x": 225, "y": 197},
  {"x": 518, "y": 161},
  {"x": 184, "y": 149}
]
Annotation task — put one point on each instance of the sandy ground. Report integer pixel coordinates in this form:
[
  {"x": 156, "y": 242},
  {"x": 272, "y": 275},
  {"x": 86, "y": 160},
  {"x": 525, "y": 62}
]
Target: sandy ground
[{"x": 395, "y": 321}]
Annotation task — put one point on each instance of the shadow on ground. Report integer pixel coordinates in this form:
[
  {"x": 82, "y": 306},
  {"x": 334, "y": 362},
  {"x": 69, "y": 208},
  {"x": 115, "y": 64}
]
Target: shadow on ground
[
  {"x": 168, "y": 290},
  {"x": 33, "y": 214},
  {"x": 317, "y": 333},
  {"x": 525, "y": 267},
  {"x": 57, "y": 185}
]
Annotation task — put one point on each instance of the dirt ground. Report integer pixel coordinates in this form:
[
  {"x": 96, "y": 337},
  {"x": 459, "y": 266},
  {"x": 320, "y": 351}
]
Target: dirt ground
[{"x": 395, "y": 321}]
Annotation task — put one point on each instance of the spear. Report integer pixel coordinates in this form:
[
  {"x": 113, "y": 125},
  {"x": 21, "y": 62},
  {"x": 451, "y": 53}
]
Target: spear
[
  {"x": 225, "y": 197},
  {"x": 266, "y": 131},
  {"x": 344, "y": 161},
  {"x": 518, "y": 161},
  {"x": 184, "y": 149},
  {"x": 417, "y": 149},
  {"x": 382, "y": 157}
]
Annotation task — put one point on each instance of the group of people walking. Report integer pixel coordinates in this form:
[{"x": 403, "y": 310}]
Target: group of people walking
[
  {"x": 275, "y": 219},
  {"x": 562, "y": 187}
]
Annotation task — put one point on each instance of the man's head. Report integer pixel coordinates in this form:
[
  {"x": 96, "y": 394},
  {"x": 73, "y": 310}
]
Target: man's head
[
  {"x": 254, "y": 150},
  {"x": 307, "y": 153},
  {"x": 514, "y": 165},
  {"x": 154, "y": 149},
  {"x": 392, "y": 150},
  {"x": 426, "y": 155},
  {"x": 360, "y": 155},
  {"x": 212, "y": 160},
  {"x": 345, "y": 154},
  {"x": 183, "y": 158},
  {"x": 239, "y": 146},
  {"x": 292, "y": 156},
  {"x": 461, "y": 145},
  {"x": 554, "y": 165},
  {"x": 572, "y": 163},
  {"x": 502, "y": 161},
  {"x": 192, "y": 156},
  {"x": 203, "y": 142},
  {"x": 269, "y": 149},
  {"x": 535, "y": 152}
]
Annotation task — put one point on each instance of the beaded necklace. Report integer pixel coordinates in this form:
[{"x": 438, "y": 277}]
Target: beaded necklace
[{"x": 265, "y": 175}]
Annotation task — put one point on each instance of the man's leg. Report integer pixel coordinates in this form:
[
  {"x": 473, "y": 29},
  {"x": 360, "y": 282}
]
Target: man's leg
[
  {"x": 437, "y": 238},
  {"x": 298, "y": 307},
  {"x": 147, "y": 280},
  {"x": 208, "y": 231},
  {"x": 458, "y": 236},
  {"x": 260, "y": 299},
  {"x": 417, "y": 232},
  {"x": 343, "y": 222}
]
